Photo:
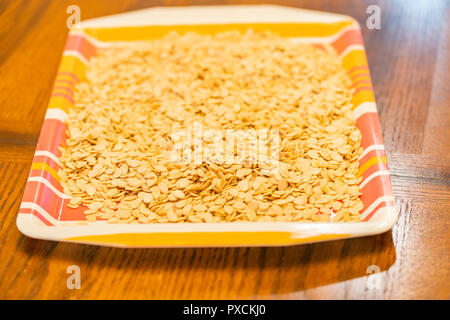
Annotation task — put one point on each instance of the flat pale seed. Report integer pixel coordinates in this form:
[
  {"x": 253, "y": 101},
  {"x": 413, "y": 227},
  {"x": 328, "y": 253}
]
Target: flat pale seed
[
  {"x": 251, "y": 214},
  {"x": 282, "y": 185},
  {"x": 243, "y": 172},
  {"x": 301, "y": 200},
  {"x": 239, "y": 205},
  {"x": 75, "y": 200},
  {"x": 228, "y": 209},
  {"x": 199, "y": 208},
  {"x": 91, "y": 218},
  {"x": 121, "y": 132},
  {"x": 118, "y": 183},
  {"x": 171, "y": 197},
  {"x": 180, "y": 204},
  {"x": 124, "y": 214},
  {"x": 194, "y": 218},
  {"x": 172, "y": 216},
  {"x": 95, "y": 206},
  {"x": 182, "y": 183},
  {"x": 253, "y": 204},
  {"x": 179, "y": 194},
  {"x": 90, "y": 190},
  {"x": 243, "y": 185},
  {"x": 163, "y": 187},
  {"x": 134, "y": 182}
]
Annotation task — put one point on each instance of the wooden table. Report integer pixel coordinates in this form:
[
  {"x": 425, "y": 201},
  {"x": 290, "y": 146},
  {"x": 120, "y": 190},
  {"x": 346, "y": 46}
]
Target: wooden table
[{"x": 409, "y": 61}]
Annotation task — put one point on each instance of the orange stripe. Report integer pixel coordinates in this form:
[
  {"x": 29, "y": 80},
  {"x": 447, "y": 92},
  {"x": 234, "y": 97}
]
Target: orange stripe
[
  {"x": 372, "y": 161},
  {"x": 202, "y": 239},
  {"x": 45, "y": 167},
  {"x": 154, "y": 32}
]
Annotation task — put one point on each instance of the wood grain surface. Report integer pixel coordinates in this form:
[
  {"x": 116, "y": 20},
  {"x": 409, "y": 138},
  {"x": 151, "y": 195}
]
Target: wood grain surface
[{"x": 409, "y": 62}]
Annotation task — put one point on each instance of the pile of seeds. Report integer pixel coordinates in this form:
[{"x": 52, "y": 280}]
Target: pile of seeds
[{"x": 117, "y": 162}]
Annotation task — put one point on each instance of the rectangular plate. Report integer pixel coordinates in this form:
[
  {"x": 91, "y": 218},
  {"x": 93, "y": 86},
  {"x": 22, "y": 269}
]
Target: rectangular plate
[{"x": 44, "y": 213}]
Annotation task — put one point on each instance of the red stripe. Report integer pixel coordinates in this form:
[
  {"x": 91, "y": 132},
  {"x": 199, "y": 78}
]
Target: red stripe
[
  {"x": 362, "y": 81},
  {"x": 375, "y": 181},
  {"x": 377, "y": 187},
  {"x": 362, "y": 89},
  {"x": 25, "y": 210},
  {"x": 357, "y": 75},
  {"x": 45, "y": 197},
  {"x": 41, "y": 217},
  {"x": 369, "y": 126},
  {"x": 348, "y": 38},
  {"x": 63, "y": 95},
  {"x": 357, "y": 68},
  {"x": 68, "y": 90},
  {"x": 70, "y": 74},
  {"x": 55, "y": 206},
  {"x": 47, "y": 176},
  {"x": 72, "y": 84},
  {"x": 73, "y": 214},
  {"x": 53, "y": 134},
  {"x": 80, "y": 44}
]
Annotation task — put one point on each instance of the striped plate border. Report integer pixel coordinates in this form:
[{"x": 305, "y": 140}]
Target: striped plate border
[{"x": 44, "y": 204}]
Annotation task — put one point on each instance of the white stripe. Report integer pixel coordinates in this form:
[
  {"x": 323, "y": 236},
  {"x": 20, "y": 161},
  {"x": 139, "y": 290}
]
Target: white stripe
[
  {"x": 373, "y": 175},
  {"x": 56, "y": 113},
  {"x": 363, "y": 108},
  {"x": 48, "y": 184},
  {"x": 48, "y": 154},
  {"x": 36, "y": 222},
  {"x": 323, "y": 40},
  {"x": 38, "y": 208},
  {"x": 75, "y": 53},
  {"x": 327, "y": 39},
  {"x": 351, "y": 48},
  {"x": 375, "y": 204},
  {"x": 370, "y": 148},
  {"x": 193, "y": 15}
]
